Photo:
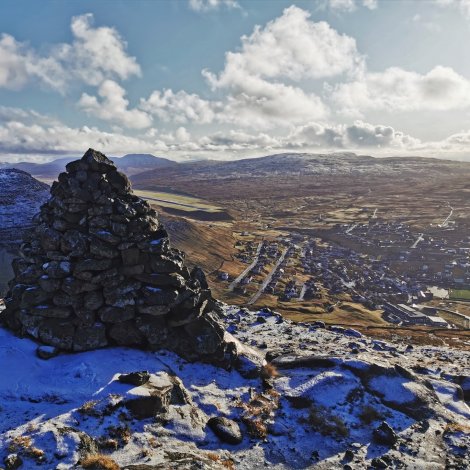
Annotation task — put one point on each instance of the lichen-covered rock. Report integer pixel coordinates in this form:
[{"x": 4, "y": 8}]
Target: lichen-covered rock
[{"x": 97, "y": 269}]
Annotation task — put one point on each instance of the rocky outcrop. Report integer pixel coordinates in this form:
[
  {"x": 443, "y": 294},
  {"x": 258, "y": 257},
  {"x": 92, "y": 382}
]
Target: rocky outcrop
[
  {"x": 20, "y": 198},
  {"x": 97, "y": 269}
]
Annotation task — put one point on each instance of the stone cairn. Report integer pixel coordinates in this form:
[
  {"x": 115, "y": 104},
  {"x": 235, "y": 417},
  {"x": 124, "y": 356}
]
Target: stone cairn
[{"x": 97, "y": 269}]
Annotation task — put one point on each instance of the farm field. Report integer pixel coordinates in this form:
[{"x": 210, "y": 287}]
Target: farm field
[
  {"x": 178, "y": 201},
  {"x": 459, "y": 294}
]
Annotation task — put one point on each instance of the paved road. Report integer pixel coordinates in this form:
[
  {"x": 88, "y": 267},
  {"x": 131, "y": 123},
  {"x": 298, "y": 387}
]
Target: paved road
[
  {"x": 237, "y": 281},
  {"x": 444, "y": 224},
  {"x": 419, "y": 239},
  {"x": 302, "y": 292},
  {"x": 268, "y": 278},
  {"x": 350, "y": 229}
]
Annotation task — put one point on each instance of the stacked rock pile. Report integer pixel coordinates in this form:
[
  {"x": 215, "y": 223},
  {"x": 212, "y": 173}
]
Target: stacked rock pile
[{"x": 97, "y": 269}]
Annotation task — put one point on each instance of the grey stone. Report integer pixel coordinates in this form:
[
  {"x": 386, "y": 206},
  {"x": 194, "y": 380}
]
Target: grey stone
[
  {"x": 12, "y": 462},
  {"x": 126, "y": 334},
  {"x": 226, "y": 430},
  {"x": 88, "y": 338},
  {"x": 385, "y": 435},
  {"x": 135, "y": 378},
  {"x": 46, "y": 352},
  {"x": 111, "y": 314}
]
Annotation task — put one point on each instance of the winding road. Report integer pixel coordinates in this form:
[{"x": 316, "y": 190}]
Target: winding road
[{"x": 446, "y": 221}]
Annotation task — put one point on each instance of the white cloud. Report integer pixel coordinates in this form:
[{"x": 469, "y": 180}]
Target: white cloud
[
  {"x": 417, "y": 19},
  {"x": 357, "y": 135},
  {"x": 180, "y": 107},
  {"x": 13, "y": 73},
  {"x": 462, "y": 5},
  {"x": 206, "y": 5},
  {"x": 396, "y": 89},
  {"x": 19, "y": 137},
  {"x": 8, "y": 114},
  {"x": 19, "y": 64},
  {"x": 370, "y": 4},
  {"x": 238, "y": 140},
  {"x": 348, "y": 6},
  {"x": 265, "y": 105},
  {"x": 94, "y": 55},
  {"x": 32, "y": 139},
  {"x": 113, "y": 107},
  {"x": 342, "y": 5},
  {"x": 290, "y": 47}
]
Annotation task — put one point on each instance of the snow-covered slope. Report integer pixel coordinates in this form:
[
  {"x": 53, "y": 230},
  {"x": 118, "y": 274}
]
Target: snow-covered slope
[
  {"x": 20, "y": 198},
  {"x": 325, "y": 409}
]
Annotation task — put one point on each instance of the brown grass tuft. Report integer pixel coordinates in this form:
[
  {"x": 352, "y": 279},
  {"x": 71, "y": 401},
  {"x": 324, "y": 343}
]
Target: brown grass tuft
[
  {"x": 457, "y": 427},
  {"x": 256, "y": 428},
  {"x": 122, "y": 433},
  {"x": 99, "y": 462},
  {"x": 213, "y": 456},
  {"x": 88, "y": 409},
  {"x": 369, "y": 414},
  {"x": 326, "y": 423},
  {"x": 269, "y": 371}
]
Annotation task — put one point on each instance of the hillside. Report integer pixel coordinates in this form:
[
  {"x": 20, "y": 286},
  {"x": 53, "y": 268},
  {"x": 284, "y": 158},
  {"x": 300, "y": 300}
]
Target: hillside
[
  {"x": 286, "y": 172},
  {"x": 338, "y": 401},
  {"x": 20, "y": 198}
]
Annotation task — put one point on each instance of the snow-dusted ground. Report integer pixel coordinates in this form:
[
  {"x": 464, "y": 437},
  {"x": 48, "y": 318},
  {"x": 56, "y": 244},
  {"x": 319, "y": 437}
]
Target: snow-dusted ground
[{"x": 321, "y": 413}]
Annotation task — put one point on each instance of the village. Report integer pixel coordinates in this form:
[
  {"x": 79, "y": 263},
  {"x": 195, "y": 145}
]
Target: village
[{"x": 380, "y": 265}]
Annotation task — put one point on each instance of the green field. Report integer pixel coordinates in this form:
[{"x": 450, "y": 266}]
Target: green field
[
  {"x": 178, "y": 201},
  {"x": 462, "y": 294}
]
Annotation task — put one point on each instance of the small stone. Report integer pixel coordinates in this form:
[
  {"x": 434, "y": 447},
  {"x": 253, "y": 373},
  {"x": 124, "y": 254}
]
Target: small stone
[
  {"x": 378, "y": 463},
  {"x": 110, "y": 314},
  {"x": 119, "y": 181},
  {"x": 12, "y": 462},
  {"x": 46, "y": 352},
  {"x": 49, "y": 284},
  {"x": 93, "y": 300},
  {"x": 95, "y": 161},
  {"x": 135, "y": 378},
  {"x": 33, "y": 296},
  {"x": 226, "y": 430},
  {"x": 385, "y": 435},
  {"x": 126, "y": 334},
  {"x": 57, "y": 269},
  {"x": 88, "y": 338},
  {"x": 150, "y": 399}
]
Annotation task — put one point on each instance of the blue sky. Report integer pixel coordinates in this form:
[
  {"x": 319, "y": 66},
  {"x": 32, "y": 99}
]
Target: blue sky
[{"x": 234, "y": 78}]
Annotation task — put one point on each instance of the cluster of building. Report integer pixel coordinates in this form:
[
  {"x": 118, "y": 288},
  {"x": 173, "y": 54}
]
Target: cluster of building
[
  {"x": 409, "y": 315},
  {"x": 383, "y": 265}
]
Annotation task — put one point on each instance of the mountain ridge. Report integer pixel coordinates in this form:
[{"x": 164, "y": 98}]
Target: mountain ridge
[{"x": 129, "y": 163}]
